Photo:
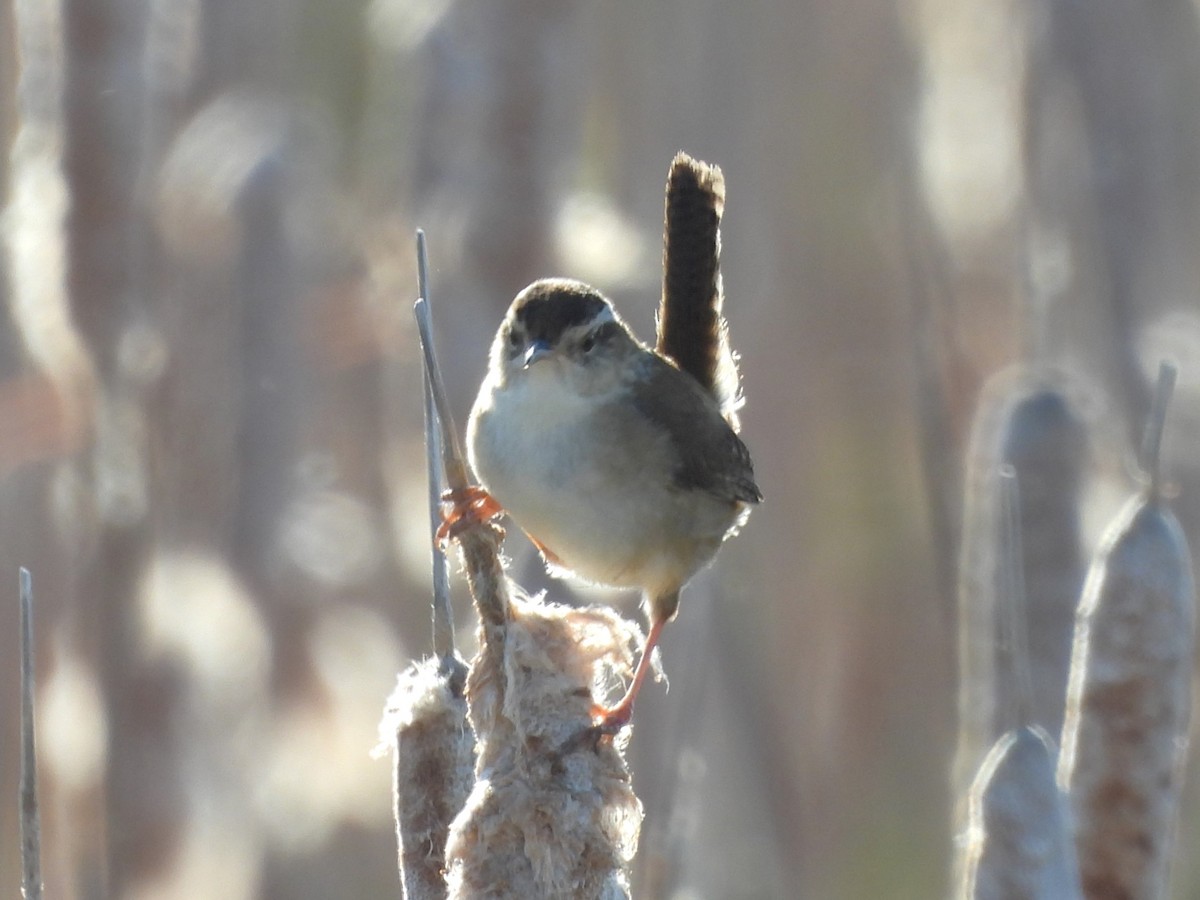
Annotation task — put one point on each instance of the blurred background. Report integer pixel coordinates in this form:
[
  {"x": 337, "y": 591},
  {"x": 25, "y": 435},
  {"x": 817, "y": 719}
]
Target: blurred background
[{"x": 211, "y": 452}]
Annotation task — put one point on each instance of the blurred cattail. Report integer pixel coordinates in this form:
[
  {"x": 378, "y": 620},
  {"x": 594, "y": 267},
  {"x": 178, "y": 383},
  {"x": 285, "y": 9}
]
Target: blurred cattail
[
  {"x": 1129, "y": 702},
  {"x": 1018, "y": 842},
  {"x": 1026, "y": 421}
]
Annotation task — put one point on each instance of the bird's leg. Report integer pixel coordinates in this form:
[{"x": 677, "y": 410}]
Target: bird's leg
[
  {"x": 547, "y": 554},
  {"x": 471, "y": 505},
  {"x": 612, "y": 719}
]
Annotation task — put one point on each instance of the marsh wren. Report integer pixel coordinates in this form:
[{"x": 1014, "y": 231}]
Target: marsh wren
[{"x": 620, "y": 462}]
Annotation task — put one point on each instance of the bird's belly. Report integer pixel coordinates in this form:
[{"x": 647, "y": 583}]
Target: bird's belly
[
  {"x": 589, "y": 529},
  {"x": 620, "y": 538},
  {"x": 607, "y": 515}
]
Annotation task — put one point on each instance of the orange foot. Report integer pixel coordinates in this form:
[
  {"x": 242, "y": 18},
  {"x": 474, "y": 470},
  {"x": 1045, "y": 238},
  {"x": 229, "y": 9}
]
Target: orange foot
[
  {"x": 611, "y": 719},
  {"x": 547, "y": 554},
  {"x": 461, "y": 509}
]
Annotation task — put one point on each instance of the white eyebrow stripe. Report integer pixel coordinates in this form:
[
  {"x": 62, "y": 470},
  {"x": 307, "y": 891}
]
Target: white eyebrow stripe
[{"x": 605, "y": 315}]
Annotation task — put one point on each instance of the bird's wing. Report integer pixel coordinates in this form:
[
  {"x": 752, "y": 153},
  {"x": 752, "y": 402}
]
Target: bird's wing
[
  {"x": 709, "y": 454},
  {"x": 691, "y": 328}
]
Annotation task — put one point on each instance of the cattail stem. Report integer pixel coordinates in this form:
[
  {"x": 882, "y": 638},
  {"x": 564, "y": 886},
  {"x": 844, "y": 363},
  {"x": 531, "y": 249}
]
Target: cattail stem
[
  {"x": 1013, "y": 658},
  {"x": 443, "y": 615},
  {"x": 425, "y": 724},
  {"x": 1151, "y": 449},
  {"x": 452, "y": 453},
  {"x": 31, "y": 829}
]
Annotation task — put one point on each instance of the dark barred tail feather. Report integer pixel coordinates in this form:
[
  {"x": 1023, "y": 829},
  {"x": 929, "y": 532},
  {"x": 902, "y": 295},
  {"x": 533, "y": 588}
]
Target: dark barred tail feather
[{"x": 691, "y": 329}]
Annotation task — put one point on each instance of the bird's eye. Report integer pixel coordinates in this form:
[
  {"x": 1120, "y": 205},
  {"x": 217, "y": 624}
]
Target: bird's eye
[{"x": 588, "y": 343}]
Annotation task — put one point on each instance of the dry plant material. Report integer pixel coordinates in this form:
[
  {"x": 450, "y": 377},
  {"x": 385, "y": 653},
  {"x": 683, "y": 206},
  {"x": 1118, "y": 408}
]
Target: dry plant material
[
  {"x": 1018, "y": 837},
  {"x": 1026, "y": 421},
  {"x": 1129, "y": 703},
  {"x": 434, "y": 754},
  {"x": 436, "y": 456},
  {"x": 552, "y": 813}
]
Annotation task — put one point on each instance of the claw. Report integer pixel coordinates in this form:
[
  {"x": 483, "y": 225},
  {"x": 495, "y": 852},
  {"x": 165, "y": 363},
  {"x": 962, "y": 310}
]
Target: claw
[
  {"x": 611, "y": 719},
  {"x": 472, "y": 505}
]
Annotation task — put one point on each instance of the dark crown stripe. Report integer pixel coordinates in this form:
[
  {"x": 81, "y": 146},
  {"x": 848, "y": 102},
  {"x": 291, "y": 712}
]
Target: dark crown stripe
[{"x": 550, "y": 308}]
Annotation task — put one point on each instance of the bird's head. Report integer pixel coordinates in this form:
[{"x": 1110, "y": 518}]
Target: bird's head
[{"x": 562, "y": 329}]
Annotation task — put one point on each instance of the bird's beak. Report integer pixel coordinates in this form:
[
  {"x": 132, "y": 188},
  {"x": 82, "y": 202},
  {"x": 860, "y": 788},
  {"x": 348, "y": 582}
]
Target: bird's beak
[{"x": 537, "y": 350}]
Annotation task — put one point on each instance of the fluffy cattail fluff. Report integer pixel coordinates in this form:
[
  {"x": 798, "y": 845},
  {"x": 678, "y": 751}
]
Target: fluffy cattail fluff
[
  {"x": 691, "y": 328},
  {"x": 552, "y": 813},
  {"x": 1018, "y": 844},
  {"x": 1128, "y": 706},
  {"x": 434, "y": 752},
  {"x": 1026, "y": 421}
]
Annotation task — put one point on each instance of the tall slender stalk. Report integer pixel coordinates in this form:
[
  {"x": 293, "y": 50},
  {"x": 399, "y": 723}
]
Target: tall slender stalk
[{"x": 31, "y": 827}]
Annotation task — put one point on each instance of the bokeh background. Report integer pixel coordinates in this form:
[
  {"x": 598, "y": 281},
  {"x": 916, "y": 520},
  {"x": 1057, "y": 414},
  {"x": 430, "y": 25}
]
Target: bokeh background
[{"x": 210, "y": 410}]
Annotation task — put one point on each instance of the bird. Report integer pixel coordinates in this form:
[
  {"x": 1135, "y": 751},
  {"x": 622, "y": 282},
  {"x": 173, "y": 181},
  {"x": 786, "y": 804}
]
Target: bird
[{"x": 621, "y": 462}]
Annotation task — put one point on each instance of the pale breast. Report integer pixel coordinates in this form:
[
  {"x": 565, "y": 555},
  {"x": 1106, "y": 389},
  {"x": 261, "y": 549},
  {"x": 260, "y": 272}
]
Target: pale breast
[{"x": 590, "y": 479}]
